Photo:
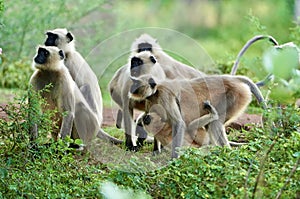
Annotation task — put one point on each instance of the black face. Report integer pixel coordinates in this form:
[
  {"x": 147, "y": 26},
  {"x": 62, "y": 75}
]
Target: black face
[
  {"x": 152, "y": 83},
  {"x": 135, "y": 87},
  {"x": 42, "y": 55},
  {"x": 134, "y": 68},
  {"x": 144, "y": 47},
  {"x": 147, "y": 119},
  {"x": 51, "y": 39}
]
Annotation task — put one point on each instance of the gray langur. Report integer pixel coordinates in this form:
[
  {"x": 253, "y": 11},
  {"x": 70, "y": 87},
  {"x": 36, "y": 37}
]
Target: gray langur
[
  {"x": 80, "y": 70},
  {"x": 139, "y": 64},
  {"x": 182, "y": 99},
  {"x": 172, "y": 69},
  {"x": 64, "y": 96}
]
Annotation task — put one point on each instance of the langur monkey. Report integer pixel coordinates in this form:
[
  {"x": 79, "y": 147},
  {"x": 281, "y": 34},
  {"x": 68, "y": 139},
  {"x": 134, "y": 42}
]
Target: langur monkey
[
  {"x": 172, "y": 69},
  {"x": 79, "y": 69},
  {"x": 65, "y": 96},
  {"x": 139, "y": 64},
  {"x": 182, "y": 100},
  {"x": 206, "y": 130}
]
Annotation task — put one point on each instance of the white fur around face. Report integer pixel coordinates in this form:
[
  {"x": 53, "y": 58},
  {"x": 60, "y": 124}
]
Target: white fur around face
[{"x": 54, "y": 61}]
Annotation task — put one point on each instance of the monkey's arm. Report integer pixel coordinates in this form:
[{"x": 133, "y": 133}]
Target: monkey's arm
[
  {"x": 178, "y": 125},
  {"x": 68, "y": 108},
  {"x": 31, "y": 115},
  {"x": 87, "y": 94}
]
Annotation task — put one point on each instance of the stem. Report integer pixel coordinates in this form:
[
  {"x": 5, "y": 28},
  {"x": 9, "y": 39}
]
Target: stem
[{"x": 288, "y": 179}]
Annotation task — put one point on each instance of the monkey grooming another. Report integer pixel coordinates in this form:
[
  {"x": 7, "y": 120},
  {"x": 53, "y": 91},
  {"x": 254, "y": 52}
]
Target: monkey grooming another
[
  {"x": 79, "y": 69},
  {"x": 172, "y": 69},
  {"x": 182, "y": 100},
  {"x": 65, "y": 96}
]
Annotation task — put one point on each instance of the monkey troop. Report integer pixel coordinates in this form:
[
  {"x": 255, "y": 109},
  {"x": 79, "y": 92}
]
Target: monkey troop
[{"x": 182, "y": 106}]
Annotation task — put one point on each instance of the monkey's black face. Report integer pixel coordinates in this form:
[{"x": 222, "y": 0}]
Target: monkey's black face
[
  {"x": 51, "y": 39},
  {"x": 135, "y": 70},
  {"x": 136, "y": 87},
  {"x": 144, "y": 47},
  {"x": 136, "y": 65},
  {"x": 147, "y": 119},
  {"x": 42, "y": 55}
]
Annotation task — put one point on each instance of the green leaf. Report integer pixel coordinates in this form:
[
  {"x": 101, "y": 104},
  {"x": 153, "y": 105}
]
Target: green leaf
[
  {"x": 297, "y": 154},
  {"x": 282, "y": 61}
]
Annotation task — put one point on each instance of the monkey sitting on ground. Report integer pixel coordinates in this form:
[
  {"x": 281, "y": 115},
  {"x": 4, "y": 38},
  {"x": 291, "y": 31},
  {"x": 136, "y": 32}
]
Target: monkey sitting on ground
[
  {"x": 79, "y": 69},
  {"x": 182, "y": 99},
  {"x": 65, "y": 96}
]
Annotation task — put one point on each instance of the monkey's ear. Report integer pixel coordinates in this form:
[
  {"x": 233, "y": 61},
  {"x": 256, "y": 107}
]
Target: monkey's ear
[
  {"x": 153, "y": 59},
  {"x": 61, "y": 54},
  {"x": 151, "y": 82},
  {"x": 69, "y": 36}
]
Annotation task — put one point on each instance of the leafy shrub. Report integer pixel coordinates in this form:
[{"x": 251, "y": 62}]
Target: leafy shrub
[{"x": 15, "y": 75}]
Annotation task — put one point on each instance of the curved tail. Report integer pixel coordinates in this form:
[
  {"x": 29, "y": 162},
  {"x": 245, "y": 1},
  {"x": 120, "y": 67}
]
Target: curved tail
[
  {"x": 254, "y": 90},
  {"x": 104, "y": 136},
  {"x": 246, "y": 46}
]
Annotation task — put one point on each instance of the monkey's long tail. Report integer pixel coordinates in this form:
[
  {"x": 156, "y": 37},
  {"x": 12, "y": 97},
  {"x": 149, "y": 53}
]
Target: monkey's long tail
[
  {"x": 254, "y": 90},
  {"x": 236, "y": 143},
  {"x": 246, "y": 46},
  {"x": 104, "y": 136}
]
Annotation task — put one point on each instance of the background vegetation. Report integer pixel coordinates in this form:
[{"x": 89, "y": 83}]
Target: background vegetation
[{"x": 267, "y": 167}]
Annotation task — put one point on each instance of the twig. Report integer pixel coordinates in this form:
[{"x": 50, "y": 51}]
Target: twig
[
  {"x": 261, "y": 167},
  {"x": 288, "y": 179}
]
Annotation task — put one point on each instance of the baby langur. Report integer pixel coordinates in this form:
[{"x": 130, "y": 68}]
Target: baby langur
[
  {"x": 182, "y": 100},
  {"x": 64, "y": 96},
  {"x": 80, "y": 70}
]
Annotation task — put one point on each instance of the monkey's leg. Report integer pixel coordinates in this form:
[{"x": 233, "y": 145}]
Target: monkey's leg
[
  {"x": 67, "y": 124},
  {"x": 31, "y": 115},
  {"x": 119, "y": 119},
  {"x": 87, "y": 94},
  {"x": 178, "y": 129},
  {"x": 129, "y": 125},
  {"x": 217, "y": 134},
  {"x": 157, "y": 147}
]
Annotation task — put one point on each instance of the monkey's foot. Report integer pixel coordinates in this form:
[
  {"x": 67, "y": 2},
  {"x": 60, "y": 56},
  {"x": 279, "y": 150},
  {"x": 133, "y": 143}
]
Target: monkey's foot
[{"x": 207, "y": 105}]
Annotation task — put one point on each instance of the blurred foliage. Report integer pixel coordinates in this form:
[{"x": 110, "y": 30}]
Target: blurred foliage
[
  {"x": 268, "y": 164},
  {"x": 221, "y": 27},
  {"x": 259, "y": 169}
]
